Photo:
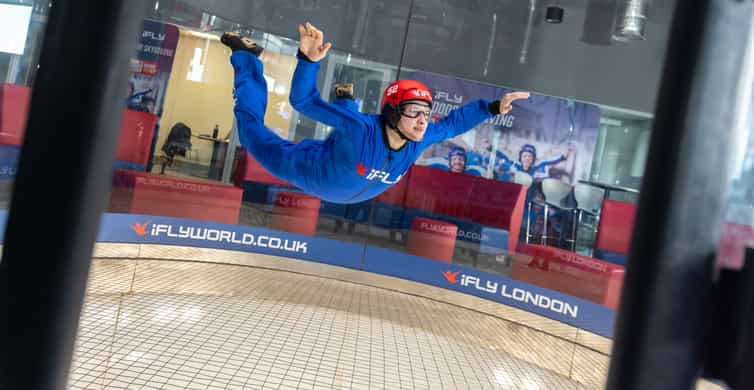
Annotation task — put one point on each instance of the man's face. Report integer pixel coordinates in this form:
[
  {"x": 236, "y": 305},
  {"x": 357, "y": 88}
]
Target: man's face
[
  {"x": 527, "y": 159},
  {"x": 484, "y": 145},
  {"x": 457, "y": 164},
  {"x": 414, "y": 121}
]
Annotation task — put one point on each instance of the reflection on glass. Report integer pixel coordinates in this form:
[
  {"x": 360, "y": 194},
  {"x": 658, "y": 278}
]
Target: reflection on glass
[
  {"x": 544, "y": 194},
  {"x": 737, "y": 232},
  {"x": 530, "y": 208},
  {"x": 179, "y": 153},
  {"x": 14, "y": 25},
  {"x": 22, "y": 25}
]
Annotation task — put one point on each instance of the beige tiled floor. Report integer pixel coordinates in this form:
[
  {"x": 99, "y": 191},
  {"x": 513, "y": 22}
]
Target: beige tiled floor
[
  {"x": 150, "y": 324},
  {"x": 176, "y": 325}
]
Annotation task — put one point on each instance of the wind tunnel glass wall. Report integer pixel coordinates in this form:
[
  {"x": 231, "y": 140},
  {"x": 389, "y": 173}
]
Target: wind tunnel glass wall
[
  {"x": 21, "y": 27},
  {"x": 192, "y": 164},
  {"x": 527, "y": 209},
  {"x": 546, "y": 194},
  {"x": 737, "y": 232}
]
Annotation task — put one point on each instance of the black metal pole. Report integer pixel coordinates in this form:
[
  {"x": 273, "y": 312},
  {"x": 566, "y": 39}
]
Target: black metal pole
[
  {"x": 740, "y": 375},
  {"x": 729, "y": 349},
  {"x": 661, "y": 321},
  {"x": 62, "y": 184},
  {"x": 405, "y": 39}
]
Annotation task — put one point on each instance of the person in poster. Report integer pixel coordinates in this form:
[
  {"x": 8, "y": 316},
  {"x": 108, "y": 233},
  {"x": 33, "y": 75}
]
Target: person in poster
[
  {"x": 457, "y": 161},
  {"x": 528, "y": 162},
  {"x": 365, "y": 154},
  {"x": 144, "y": 93}
]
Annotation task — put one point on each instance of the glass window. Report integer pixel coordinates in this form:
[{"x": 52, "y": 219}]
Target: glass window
[
  {"x": 540, "y": 198},
  {"x": 737, "y": 233},
  {"x": 22, "y": 26},
  {"x": 554, "y": 175}
]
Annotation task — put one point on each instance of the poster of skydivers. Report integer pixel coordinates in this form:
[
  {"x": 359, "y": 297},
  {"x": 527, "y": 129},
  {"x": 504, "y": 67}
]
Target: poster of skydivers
[
  {"x": 151, "y": 67},
  {"x": 542, "y": 137}
]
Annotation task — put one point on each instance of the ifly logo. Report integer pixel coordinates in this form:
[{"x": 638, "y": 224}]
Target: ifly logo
[
  {"x": 218, "y": 235},
  {"x": 153, "y": 35},
  {"x": 451, "y": 277},
  {"x": 443, "y": 95},
  {"x": 549, "y": 259},
  {"x": 140, "y": 228},
  {"x": 372, "y": 174},
  {"x": 512, "y": 293},
  {"x": 420, "y": 93},
  {"x": 362, "y": 170},
  {"x": 176, "y": 185},
  {"x": 300, "y": 203},
  {"x": 437, "y": 228}
]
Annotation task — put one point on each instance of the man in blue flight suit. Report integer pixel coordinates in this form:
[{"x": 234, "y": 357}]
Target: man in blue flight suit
[{"x": 365, "y": 154}]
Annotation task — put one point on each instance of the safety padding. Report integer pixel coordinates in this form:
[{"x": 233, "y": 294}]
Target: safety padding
[
  {"x": 615, "y": 227},
  {"x": 295, "y": 213},
  {"x": 135, "y": 140},
  {"x": 581, "y": 276},
  {"x": 432, "y": 239},
  {"x": 146, "y": 193},
  {"x": 14, "y": 109}
]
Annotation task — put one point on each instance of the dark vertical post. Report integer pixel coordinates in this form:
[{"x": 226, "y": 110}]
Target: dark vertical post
[
  {"x": 661, "y": 321},
  {"x": 729, "y": 346},
  {"x": 62, "y": 185}
]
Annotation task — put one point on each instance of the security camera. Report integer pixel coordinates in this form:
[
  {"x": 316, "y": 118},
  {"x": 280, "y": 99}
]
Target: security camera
[{"x": 554, "y": 14}]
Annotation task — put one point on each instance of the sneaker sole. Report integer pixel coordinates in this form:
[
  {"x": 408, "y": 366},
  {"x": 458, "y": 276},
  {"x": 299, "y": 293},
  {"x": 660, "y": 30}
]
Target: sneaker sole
[{"x": 235, "y": 41}]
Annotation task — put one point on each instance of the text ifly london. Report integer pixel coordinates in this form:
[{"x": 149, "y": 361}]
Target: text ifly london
[
  {"x": 218, "y": 235},
  {"x": 520, "y": 295}
]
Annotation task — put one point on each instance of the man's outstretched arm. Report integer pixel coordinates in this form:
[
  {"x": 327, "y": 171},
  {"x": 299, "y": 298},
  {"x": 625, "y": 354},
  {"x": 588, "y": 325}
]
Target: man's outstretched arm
[
  {"x": 501, "y": 156},
  {"x": 304, "y": 96},
  {"x": 470, "y": 115},
  {"x": 558, "y": 160}
]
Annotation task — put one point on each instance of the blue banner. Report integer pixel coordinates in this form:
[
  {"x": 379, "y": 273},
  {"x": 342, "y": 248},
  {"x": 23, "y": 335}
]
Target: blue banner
[
  {"x": 547, "y": 303},
  {"x": 144, "y": 229},
  {"x": 8, "y": 161}
]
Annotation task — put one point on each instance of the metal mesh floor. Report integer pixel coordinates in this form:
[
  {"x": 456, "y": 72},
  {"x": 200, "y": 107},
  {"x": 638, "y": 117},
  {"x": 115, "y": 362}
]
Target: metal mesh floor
[{"x": 177, "y": 325}]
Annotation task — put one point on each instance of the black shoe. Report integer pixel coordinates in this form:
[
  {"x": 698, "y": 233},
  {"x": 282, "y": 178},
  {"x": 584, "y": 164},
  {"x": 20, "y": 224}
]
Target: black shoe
[
  {"x": 236, "y": 42},
  {"x": 344, "y": 90}
]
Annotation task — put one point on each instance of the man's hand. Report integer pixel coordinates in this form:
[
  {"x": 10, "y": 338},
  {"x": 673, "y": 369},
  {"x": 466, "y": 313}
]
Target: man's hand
[
  {"x": 506, "y": 103},
  {"x": 310, "y": 42}
]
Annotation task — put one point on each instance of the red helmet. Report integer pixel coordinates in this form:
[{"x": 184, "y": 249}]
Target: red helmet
[{"x": 403, "y": 90}]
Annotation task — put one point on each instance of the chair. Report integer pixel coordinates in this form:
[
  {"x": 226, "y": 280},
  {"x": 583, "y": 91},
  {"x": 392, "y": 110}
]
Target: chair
[
  {"x": 522, "y": 178},
  {"x": 589, "y": 198},
  {"x": 589, "y": 202},
  {"x": 554, "y": 192},
  {"x": 614, "y": 232},
  {"x": 178, "y": 143}
]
